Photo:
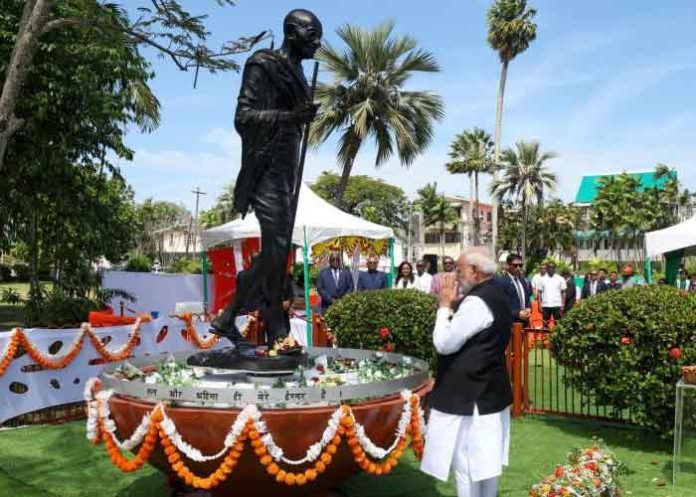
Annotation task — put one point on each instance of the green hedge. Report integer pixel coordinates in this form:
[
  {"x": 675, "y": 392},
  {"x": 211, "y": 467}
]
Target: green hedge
[
  {"x": 409, "y": 315},
  {"x": 627, "y": 347}
]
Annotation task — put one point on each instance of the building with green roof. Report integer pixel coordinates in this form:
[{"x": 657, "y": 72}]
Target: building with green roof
[
  {"x": 593, "y": 244},
  {"x": 589, "y": 185}
]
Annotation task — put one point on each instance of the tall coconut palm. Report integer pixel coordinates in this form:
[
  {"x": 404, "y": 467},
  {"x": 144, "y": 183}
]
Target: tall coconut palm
[
  {"x": 524, "y": 179},
  {"x": 472, "y": 154},
  {"x": 367, "y": 98},
  {"x": 510, "y": 31},
  {"x": 436, "y": 211}
]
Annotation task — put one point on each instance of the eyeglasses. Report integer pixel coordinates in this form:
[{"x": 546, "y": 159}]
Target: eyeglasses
[
  {"x": 448, "y": 263},
  {"x": 517, "y": 264}
]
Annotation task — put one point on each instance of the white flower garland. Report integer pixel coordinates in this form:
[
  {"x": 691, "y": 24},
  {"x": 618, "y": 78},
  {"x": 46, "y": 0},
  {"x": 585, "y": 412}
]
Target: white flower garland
[
  {"x": 110, "y": 427},
  {"x": 99, "y": 408},
  {"x": 92, "y": 410}
]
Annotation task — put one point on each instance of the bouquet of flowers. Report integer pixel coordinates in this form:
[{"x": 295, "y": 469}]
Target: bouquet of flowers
[{"x": 589, "y": 473}]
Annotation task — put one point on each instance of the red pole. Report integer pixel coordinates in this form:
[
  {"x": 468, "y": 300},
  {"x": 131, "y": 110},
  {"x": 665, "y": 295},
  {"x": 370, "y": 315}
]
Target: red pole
[{"x": 517, "y": 337}]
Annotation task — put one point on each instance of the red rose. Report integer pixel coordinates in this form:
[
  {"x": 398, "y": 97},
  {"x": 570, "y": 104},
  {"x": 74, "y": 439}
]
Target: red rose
[
  {"x": 559, "y": 471},
  {"x": 384, "y": 333},
  {"x": 675, "y": 353},
  {"x": 626, "y": 340},
  {"x": 591, "y": 466},
  {"x": 320, "y": 368},
  {"x": 389, "y": 347}
]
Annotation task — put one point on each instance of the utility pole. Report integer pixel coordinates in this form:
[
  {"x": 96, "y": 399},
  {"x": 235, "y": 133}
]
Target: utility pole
[{"x": 198, "y": 192}]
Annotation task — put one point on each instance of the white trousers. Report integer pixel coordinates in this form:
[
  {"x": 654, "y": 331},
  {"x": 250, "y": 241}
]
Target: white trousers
[{"x": 476, "y": 447}]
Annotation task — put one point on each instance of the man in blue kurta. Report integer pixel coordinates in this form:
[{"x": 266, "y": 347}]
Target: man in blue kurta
[{"x": 372, "y": 279}]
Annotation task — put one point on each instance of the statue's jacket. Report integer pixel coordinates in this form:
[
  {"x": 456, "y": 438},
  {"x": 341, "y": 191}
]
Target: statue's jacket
[{"x": 271, "y": 88}]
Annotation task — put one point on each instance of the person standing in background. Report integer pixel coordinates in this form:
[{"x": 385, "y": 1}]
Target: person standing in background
[
  {"x": 447, "y": 267},
  {"x": 333, "y": 282},
  {"x": 593, "y": 286},
  {"x": 630, "y": 279},
  {"x": 614, "y": 283},
  {"x": 571, "y": 291},
  {"x": 552, "y": 289},
  {"x": 372, "y": 279},
  {"x": 405, "y": 278},
  {"x": 682, "y": 282},
  {"x": 536, "y": 280},
  {"x": 423, "y": 278}
]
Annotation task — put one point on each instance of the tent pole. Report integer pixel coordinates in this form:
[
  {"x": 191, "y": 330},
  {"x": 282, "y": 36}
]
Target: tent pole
[
  {"x": 204, "y": 271},
  {"x": 391, "y": 258},
  {"x": 308, "y": 307}
]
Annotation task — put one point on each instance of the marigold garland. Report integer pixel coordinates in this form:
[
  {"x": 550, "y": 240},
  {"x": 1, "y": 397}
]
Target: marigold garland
[
  {"x": 191, "y": 331},
  {"x": 252, "y": 435},
  {"x": 20, "y": 339}
]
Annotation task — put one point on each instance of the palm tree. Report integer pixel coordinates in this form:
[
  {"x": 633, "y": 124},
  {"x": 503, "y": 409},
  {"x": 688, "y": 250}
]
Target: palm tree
[
  {"x": 366, "y": 98},
  {"x": 510, "y": 31},
  {"x": 524, "y": 179},
  {"x": 472, "y": 154},
  {"x": 436, "y": 211}
]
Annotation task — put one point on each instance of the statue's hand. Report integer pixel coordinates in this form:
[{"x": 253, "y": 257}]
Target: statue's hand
[{"x": 304, "y": 114}]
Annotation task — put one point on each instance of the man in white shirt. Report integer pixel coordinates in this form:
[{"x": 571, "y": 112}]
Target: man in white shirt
[
  {"x": 552, "y": 288},
  {"x": 469, "y": 425},
  {"x": 423, "y": 277},
  {"x": 536, "y": 280}
]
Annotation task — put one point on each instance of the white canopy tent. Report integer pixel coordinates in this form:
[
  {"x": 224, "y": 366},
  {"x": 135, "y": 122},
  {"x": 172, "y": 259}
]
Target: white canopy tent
[
  {"x": 317, "y": 221},
  {"x": 677, "y": 237}
]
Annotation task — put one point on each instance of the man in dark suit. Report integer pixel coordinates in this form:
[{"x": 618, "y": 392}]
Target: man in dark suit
[
  {"x": 333, "y": 282},
  {"x": 593, "y": 286},
  {"x": 571, "y": 292},
  {"x": 372, "y": 279},
  {"x": 517, "y": 289}
]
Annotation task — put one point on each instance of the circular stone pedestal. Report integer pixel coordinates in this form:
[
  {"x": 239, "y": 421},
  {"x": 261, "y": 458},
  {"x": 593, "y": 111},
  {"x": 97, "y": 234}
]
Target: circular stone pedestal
[{"x": 293, "y": 429}]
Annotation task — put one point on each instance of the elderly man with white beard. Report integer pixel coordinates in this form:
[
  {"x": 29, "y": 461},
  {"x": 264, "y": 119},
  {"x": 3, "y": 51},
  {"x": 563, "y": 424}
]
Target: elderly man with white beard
[{"x": 469, "y": 425}]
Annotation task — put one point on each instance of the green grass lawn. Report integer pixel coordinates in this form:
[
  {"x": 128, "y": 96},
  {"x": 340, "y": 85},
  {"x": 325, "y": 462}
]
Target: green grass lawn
[{"x": 57, "y": 461}]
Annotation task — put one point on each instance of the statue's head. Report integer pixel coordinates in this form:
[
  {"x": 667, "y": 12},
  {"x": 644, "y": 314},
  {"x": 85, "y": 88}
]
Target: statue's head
[{"x": 303, "y": 32}]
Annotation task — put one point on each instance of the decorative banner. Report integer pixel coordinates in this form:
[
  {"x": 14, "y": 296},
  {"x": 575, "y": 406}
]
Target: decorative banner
[
  {"x": 28, "y": 386},
  {"x": 349, "y": 244}
]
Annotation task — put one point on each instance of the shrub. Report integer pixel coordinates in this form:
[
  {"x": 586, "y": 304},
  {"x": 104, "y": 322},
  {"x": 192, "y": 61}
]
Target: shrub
[
  {"x": 5, "y": 272},
  {"x": 409, "y": 315},
  {"x": 11, "y": 296},
  {"x": 187, "y": 266},
  {"x": 54, "y": 309},
  {"x": 139, "y": 264},
  {"x": 22, "y": 271},
  {"x": 627, "y": 348}
]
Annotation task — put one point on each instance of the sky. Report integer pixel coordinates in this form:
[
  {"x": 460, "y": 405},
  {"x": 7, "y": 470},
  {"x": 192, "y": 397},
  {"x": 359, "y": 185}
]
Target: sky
[{"x": 608, "y": 85}]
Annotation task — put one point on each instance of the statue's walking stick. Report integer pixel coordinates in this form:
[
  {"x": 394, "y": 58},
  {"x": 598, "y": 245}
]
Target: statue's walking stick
[{"x": 303, "y": 155}]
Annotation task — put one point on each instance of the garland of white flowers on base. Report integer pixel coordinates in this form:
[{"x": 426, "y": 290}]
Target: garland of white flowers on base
[{"x": 249, "y": 426}]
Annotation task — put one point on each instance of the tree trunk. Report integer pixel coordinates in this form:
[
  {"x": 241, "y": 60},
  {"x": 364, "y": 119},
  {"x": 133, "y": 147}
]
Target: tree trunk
[
  {"x": 496, "y": 154},
  {"x": 524, "y": 231},
  {"x": 477, "y": 218},
  {"x": 442, "y": 240},
  {"x": 33, "y": 21},
  {"x": 471, "y": 210},
  {"x": 343, "y": 183}
]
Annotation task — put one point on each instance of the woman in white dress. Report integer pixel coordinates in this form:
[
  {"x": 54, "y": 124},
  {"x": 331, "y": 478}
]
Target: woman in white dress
[{"x": 405, "y": 279}]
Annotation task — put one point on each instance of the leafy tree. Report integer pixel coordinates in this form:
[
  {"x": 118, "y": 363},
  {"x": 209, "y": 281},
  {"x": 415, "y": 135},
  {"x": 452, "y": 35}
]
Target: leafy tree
[
  {"x": 155, "y": 216},
  {"x": 436, "y": 211},
  {"x": 366, "y": 197},
  {"x": 59, "y": 173},
  {"x": 472, "y": 154},
  {"x": 223, "y": 210},
  {"x": 524, "y": 179},
  {"x": 367, "y": 98},
  {"x": 163, "y": 25},
  {"x": 511, "y": 30},
  {"x": 624, "y": 210}
]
